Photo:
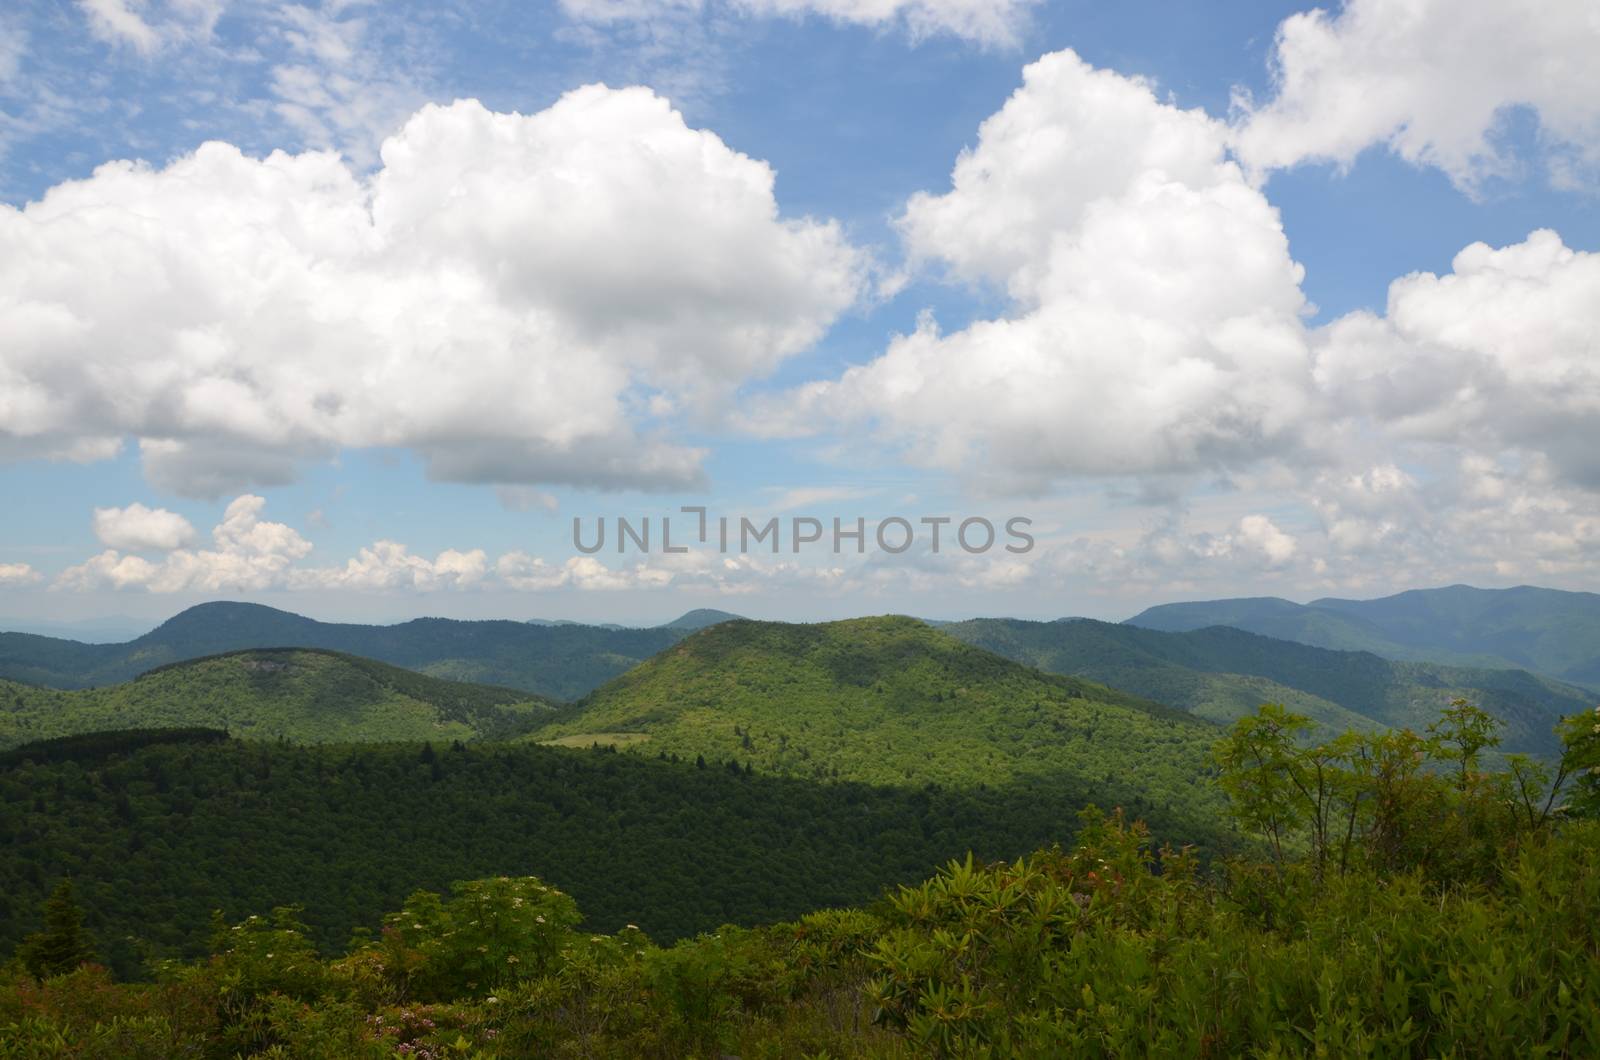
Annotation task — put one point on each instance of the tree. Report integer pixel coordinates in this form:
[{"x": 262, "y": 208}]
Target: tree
[
  {"x": 1263, "y": 771},
  {"x": 1580, "y": 738},
  {"x": 63, "y": 945},
  {"x": 1461, "y": 734}
]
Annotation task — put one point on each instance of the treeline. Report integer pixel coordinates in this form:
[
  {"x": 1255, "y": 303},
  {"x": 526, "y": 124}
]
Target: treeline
[
  {"x": 1360, "y": 941},
  {"x": 156, "y": 837}
]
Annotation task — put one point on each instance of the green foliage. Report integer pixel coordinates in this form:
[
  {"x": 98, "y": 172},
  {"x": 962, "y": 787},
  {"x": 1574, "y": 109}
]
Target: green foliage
[
  {"x": 1580, "y": 738},
  {"x": 1221, "y": 674},
  {"x": 491, "y": 933},
  {"x": 286, "y": 693},
  {"x": 63, "y": 945}
]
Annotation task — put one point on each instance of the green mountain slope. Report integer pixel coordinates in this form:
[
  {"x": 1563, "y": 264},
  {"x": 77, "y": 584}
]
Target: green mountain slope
[
  {"x": 1547, "y": 631},
  {"x": 555, "y": 661},
  {"x": 892, "y": 701},
  {"x": 298, "y": 694},
  {"x": 1221, "y": 673}
]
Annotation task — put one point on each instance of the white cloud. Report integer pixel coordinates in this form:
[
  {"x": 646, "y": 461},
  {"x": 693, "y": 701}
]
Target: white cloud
[
  {"x": 990, "y": 22},
  {"x": 119, "y": 22},
  {"x": 388, "y": 565},
  {"x": 527, "y": 573},
  {"x": 1501, "y": 354},
  {"x": 15, "y": 574},
  {"x": 503, "y": 297},
  {"x": 1156, "y": 313},
  {"x": 1433, "y": 80},
  {"x": 139, "y": 529},
  {"x": 125, "y": 22},
  {"x": 700, "y": 570},
  {"x": 247, "y": 554}
]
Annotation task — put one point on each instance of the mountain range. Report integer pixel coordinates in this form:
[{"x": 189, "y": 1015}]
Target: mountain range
[
  {"x": 1547, "y": 631},
  {"x": 1221, "y": 673},
  {"x": 558, "y": 661},
  {"x": 1217, "y": 672}
]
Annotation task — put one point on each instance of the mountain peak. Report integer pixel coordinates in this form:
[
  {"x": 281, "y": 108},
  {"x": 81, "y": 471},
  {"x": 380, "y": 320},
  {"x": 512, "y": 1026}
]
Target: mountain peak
[{"x": 700, "y": 618}]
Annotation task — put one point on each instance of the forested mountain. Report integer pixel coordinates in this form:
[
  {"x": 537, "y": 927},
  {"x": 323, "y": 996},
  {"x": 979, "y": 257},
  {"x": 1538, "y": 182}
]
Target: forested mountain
[
  {"x": 893, "y": 701},
  {"x": 1222, "y": 673},
  {"x": 296, "y": 694},
  {"x": 556, "y": 661},
  {"x": 155, "y": 835},
  {"x": 1548, "y": 631},
  {"x": 700, "y": 618}
]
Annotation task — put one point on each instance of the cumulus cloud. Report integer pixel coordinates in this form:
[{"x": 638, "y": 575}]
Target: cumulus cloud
[
  {"x": 696, "y": 570},
  {"x": 389, "y": 565},
  {"x": 250, "y": 553},
  {"x": 990, "y": 22},
  {"x": 1433, "y": 80},
  {"x": 528, "y": 573},
  {"x": 16, "y": 574},
  {"x": 140, "y": 529},
  {"x": 1501, "y": 354},
  {"x": 247, "y": 553},
  {"x": 517, "y": 299},
  {"x": 1156, "y": 319}
]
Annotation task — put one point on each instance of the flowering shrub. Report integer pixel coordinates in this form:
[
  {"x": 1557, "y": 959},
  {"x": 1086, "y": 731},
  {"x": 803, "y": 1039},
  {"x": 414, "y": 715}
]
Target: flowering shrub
[{"x": 490, "y": 933}]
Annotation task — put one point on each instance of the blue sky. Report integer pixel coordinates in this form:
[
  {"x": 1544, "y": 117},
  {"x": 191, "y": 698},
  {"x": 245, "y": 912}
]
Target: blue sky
[{"x": 1154, "y": 315}]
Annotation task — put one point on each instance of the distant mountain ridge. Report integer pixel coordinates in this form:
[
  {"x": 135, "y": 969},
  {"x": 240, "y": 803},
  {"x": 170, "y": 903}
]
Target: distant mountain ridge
[
  {"x": 700, "y": 618},
  {"x": 556, "y": 661},
  {"x": 301, "y": 694},
  {"x": 1221, "y": 673},
  {"x": 1547, "y": 631}
]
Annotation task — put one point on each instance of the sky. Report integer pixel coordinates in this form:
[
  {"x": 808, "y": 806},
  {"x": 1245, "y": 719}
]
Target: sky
[{"x": 357, "y": 309}]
